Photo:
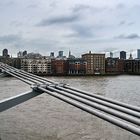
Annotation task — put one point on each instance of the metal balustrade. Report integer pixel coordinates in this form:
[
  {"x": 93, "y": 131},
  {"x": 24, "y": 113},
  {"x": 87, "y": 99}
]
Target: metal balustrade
[{"x": 118, "y": 113}]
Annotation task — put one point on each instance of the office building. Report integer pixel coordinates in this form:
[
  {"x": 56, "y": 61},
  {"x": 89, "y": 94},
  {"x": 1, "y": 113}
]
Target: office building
[
  {"x": 123, "y": 55},
  {"x": 24, "y": 53},
  {"x": 5, "y": 53},
  {"x": 111, "y": 54},
  {"x": 60, "y": 54},
  {"x": 52, "y": 54},
  {"x": 138, "y": 53},
  {"x": 19, "y": 54}
]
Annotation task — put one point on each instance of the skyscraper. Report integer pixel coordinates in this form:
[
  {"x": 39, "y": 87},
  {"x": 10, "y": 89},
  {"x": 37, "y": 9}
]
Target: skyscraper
[
  {"x": 5, "y": 53},
  {"x": 111, "y": 54},
  {"x": 60, "y": 54},
  {"x": 138, "y": 53},
  {"x": 52, "y": 54},
  {"x": 24, "y": 53},
  {"x": 19, "y": 54},
  {"x": 122, "y": 55}
]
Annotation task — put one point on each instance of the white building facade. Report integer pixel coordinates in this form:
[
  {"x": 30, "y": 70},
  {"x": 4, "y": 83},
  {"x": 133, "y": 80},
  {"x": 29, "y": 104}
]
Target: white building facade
[{"x": 40, "y": 66}]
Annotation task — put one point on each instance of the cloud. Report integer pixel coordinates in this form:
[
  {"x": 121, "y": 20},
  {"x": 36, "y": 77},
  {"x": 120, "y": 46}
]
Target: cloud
[
  {"x": 130, "y": 23},
  {"x": 81, "y": 31},
  {"x": 90, "y": 9},
  {"x": 58, "y": 20},
  {"x": 11, "y": 38},
  {"x": 32, "y": 6},
  {"x": 120, "y": 6},
  {"x": 16, "y": 23},
  {"x": 130, "y": 36},
  {"x": 122, "y": 22},
  {"x": 53, "y": 4},
  {"x": 10, "y": 3},
  {"x": 6, "y": 3},
  {"x": 81, "y": 7}
]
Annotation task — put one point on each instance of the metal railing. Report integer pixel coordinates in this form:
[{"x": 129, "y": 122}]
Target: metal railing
[{"x": 118, "y": 113}]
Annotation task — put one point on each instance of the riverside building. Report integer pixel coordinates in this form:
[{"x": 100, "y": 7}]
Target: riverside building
[
  {"x": 76, "y": 66},
  {"x": 39, "y": 66},
  {"x": 95, "y": 63},
  {"x": 114, "y": 65}
]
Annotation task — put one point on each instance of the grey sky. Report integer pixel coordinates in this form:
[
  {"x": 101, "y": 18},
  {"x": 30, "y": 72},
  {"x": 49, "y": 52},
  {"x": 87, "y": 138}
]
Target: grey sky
[{"x": 79, "y": 25}]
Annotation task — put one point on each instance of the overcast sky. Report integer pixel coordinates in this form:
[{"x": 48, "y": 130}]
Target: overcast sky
[{"x": 77, "y": 25}]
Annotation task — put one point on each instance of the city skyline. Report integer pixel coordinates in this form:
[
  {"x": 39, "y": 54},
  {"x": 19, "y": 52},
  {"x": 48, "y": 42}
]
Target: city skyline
[
  {"x": 61, "y": 53},
  {"x": 81, "y": 26}
]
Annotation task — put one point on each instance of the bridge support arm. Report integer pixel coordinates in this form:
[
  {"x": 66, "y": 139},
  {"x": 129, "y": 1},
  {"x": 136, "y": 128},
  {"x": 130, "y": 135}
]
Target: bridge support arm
[{"x": 13, "y": 101}]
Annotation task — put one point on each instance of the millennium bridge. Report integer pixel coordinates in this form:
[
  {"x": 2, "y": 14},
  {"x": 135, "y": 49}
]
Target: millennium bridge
[{"x": 120, "y": 114}]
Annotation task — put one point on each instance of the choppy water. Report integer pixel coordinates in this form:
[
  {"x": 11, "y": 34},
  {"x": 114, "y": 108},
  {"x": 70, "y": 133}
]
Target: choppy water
[{"x": 47, "y": 118}]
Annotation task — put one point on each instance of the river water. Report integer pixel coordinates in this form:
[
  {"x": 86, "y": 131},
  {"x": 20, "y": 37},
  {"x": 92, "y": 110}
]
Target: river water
[{"x": 47, "y": 118}]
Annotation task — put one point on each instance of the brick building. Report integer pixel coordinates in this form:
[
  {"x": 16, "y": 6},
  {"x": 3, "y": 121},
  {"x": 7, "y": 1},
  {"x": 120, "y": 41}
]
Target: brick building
[
  {"x": 59, "y": 67},
  {"x": 132, "y": 66},
  {"x": 95, "y": 63},
  {"x": 114, "y": 66},
  {"x": 76, "y": 66}
]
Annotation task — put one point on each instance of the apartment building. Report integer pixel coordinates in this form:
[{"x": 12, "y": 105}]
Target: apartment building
[
  {"x": 132, "y": 66},
  {"x": 114, "y": 65},
  {"x": 76, "y": 66},
  {"x": 59, "y": 67},
  {"x": 95, "y": 63},
  {"x": 38, "y": 66}
]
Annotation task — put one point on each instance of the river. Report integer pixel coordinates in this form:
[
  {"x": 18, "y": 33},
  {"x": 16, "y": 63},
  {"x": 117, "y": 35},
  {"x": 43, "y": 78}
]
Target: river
[{"x": 47, "y": 118}]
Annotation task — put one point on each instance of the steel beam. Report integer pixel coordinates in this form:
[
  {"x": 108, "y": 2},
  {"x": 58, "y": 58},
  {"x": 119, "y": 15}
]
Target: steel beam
[{"x": 13, "y": 101}]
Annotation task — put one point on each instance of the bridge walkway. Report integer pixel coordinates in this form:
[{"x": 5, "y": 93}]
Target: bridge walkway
[{"x": 123, "y": 115}]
